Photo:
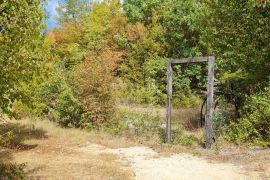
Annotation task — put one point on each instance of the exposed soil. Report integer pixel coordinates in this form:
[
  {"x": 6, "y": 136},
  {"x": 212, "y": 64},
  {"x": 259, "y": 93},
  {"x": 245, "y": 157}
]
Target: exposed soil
[{"x": 146, "y": 164}]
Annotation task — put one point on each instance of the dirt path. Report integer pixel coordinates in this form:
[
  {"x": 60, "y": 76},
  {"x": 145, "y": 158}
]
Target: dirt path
[{"x": 146, "y": 165}]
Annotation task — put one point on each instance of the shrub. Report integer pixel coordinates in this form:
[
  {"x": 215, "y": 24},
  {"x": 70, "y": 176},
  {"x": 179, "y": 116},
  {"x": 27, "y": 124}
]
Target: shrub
[
  {"x": 21, "y": 110},
  {"x": 151, "y": 94},
  {"x": 68, "y": 110},
  {"x": 150, "y": 88},
  {"x": 147, "y": 126},
  {"x": 12, "y": 171},
  {"x": 254, "y": 127},
  {"x": 141, "y": 95},
  {"x": 219, "y": 120},
  {"x": 31, "y": 104},
  {"x": 131, "y": 123},
  {"x": 179, "y": 136},
  {"x": 6, "y": 138},
  {"x": 61, "y": 104},
  {"x": 93, "y": 87},
  {"x": 185, "y": 100}
]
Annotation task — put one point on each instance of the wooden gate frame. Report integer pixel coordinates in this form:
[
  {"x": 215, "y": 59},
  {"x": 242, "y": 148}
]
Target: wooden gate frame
[{"x": 210, "y": 96}]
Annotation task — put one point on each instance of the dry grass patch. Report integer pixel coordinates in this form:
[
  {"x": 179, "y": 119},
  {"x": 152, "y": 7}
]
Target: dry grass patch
[
  {"x": 189, "y": 117},
  {"x": 73, "y": 165},
  {"x": 78, "y": 136},
  {"x": 55, "y": 155}
]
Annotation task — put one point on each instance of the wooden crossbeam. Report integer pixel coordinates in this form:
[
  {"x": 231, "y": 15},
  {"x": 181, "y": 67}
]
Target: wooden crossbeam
[{"x": 189, "y": 60}]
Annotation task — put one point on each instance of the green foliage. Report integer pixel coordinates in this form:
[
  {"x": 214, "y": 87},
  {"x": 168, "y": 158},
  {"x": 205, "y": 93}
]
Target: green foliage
[
  {"x": 73, "y": 10},
  {"x": 171, "y": 22},
  {"x": 142, "y": 95},
  {"x": 179, "y": 137},
  {"x": 68, "y": 110},
  {"x": 21, "y": 47},
  {"x": 140, "y": 10},
  {"x": 31, "y": 105},
  {"x": 143, "y": 125},
  {"x": 182, "y": 30},
  {"x": 169, "y": 30},
  {"x": 21, "y": 110},
  {"x": 71, "y": 54},
  {"x": 185, "y": 100},
  {"x": 61, "y": 104},
  {"x": 254, "y": 127},
  {"x": 220, "y": 120},
  {"x": 12, "y": 171},
  {"x": 237, "y": 33}
]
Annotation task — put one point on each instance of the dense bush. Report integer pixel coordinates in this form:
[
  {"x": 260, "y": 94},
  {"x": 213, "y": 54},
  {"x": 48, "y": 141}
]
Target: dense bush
[
  {"x": 179, "y": 137},
  {"x": 152, "y": 90},
  {"x": 147, "y": 126},
  {"x": 12, "y": 171},
  {"x": 61, "y": 104},
  {"x": 164, "y": 29},
  {"x": 93, "y": 87},
  {"x": 68, "y": 110},
  {"x": 88, "y": 54},
  {"x": 32, "y": 104},
  {"x": 141, "y": 95},
  {"x": 229, "y": 28},
  {"x": 221, "y": 120},
  {"x": 143, "y": 125},
  {"x": 254, "y": 126}
]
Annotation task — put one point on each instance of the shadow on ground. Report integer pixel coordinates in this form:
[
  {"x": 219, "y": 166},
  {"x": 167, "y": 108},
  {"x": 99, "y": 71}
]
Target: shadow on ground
[
  {"x": 12, "y": 138},
  {"x": 13, "y": 135}
]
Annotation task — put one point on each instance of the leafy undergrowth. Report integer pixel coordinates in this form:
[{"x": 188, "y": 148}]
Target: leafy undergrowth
[
  {"x": 12, "y": 171},
  {"x": 147, "y": 125}
]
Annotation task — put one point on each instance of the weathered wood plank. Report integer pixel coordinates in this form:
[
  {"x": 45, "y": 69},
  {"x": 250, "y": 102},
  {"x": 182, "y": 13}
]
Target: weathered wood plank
[
  {"x": 189, "y": 60},
  {"x": 210, "y": 104},
  {"x": 169, "y": 103}
]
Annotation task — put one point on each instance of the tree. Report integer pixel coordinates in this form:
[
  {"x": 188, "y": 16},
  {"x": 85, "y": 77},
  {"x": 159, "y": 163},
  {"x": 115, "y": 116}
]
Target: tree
[
  {"x": 95, "y": 75},
  {"x": 141, "y": 10},
  {"x": 73, "y": 10},
  {"x": 170, "y": 29},
  {"x": 21, "y": 42},
  {"x": 172, "y": 22},
  {"x": 237, "y": 32},
  {"x": 89, "y": 52}
]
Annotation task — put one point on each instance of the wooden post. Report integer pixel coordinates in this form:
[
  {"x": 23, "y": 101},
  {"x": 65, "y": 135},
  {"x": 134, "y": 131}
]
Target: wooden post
[
  {"x": 169, "y": 103},
  {"x": 210, "y": 104}
]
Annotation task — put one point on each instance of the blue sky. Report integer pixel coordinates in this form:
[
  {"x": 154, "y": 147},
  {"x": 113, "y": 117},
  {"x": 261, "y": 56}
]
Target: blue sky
[{"x": 51, "y": 10}]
